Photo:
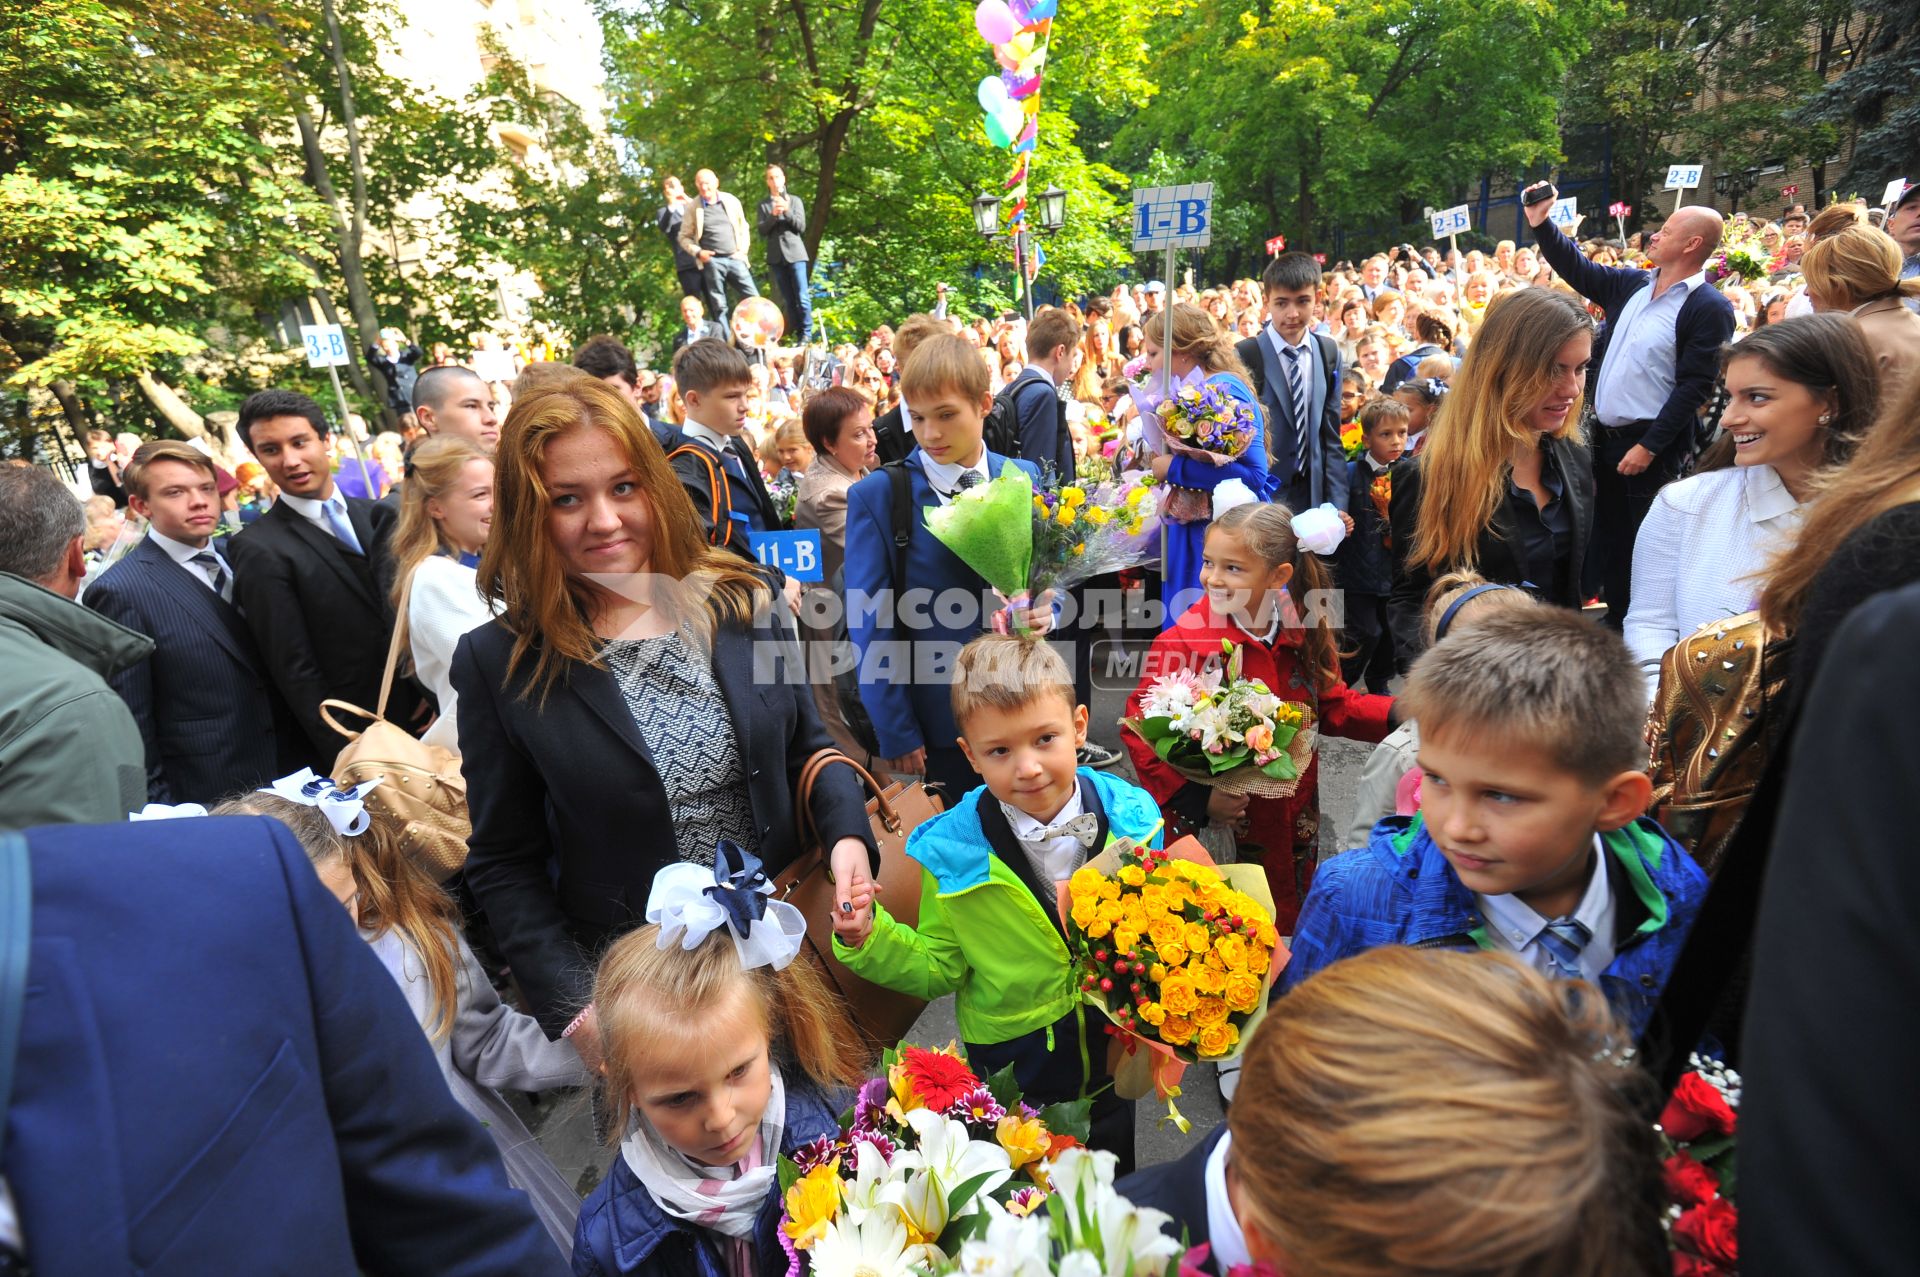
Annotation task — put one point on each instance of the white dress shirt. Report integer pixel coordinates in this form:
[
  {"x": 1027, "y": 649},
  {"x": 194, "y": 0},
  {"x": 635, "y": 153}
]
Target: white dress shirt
[
  {"x": 315, "y": 512},
  {"x": 444, "y": 604},
  {"x": 1698, "y": 554},
  {"x": 182, "y": 553},
  {"x": 1305, "y": 357},
  {"x": 1636, "y": 377},
  {"x": 945, "y": 478},
  {"x": 1515, "y": 927},
  {"x": 1228, "y": 1244},
  {"x": 1064, "y": 854},
  {"x": 707, "y": 435}
]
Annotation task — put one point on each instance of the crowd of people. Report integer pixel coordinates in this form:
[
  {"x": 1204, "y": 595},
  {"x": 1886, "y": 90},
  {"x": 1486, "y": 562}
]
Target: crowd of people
[{"x": 1610, "y": 533}]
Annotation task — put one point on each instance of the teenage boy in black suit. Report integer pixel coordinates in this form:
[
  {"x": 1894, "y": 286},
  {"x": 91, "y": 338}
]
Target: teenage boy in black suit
[
  {"x": 308, "y": 576},
  {"x": 1296, "y": 373}
]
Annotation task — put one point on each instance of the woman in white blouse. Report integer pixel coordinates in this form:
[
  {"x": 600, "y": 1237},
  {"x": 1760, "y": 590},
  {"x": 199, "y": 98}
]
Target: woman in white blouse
[
  {"x": 1800, "y": 395},
  {"x": 446, "y": 510}
]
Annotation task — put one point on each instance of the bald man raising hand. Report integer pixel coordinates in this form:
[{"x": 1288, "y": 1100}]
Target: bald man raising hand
[{"x": 1654, "y": 364}]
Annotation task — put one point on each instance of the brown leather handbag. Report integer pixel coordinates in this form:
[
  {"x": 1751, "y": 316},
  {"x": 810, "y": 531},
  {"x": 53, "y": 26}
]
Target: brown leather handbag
[
  {"x": 423, "y": 790},
  {"x": 882, "y": 1015},
  {"x": 1710, "y": 731}
]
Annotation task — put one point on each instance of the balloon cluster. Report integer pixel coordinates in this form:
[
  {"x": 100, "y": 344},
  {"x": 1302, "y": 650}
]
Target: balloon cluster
[{"x": 1019, "y": 31}]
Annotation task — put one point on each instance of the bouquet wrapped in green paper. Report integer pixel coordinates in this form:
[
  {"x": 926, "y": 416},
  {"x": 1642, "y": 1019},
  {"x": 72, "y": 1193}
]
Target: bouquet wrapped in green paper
[{"x": 990, "y": 526}]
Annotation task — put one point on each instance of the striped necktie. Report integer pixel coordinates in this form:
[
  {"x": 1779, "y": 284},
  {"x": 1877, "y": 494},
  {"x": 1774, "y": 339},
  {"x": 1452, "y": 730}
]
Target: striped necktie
[
  {"x": 222, "y": 579},
  {"x": 1297, "y": 389},
  {"x": 1563, "y": 941}
]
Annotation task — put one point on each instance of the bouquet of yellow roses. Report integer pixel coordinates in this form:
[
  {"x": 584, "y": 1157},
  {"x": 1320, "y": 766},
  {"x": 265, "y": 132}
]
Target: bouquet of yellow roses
[{"x": 1178, "y": 952}]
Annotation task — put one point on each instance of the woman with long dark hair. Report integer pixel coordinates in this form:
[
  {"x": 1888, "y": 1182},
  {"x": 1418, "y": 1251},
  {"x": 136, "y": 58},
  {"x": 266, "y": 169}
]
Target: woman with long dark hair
[
  {"x": 1800, "y": 396},
  {"x": 1503, "y": 485}
]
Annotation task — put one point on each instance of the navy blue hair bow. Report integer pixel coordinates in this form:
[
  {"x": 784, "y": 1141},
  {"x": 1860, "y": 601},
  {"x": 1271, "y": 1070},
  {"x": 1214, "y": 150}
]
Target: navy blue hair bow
[{"x": 739, "y": 891}]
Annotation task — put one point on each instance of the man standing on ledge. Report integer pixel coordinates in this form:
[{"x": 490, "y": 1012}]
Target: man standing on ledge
[
  {"x": 783, "y": 224},
  {"x": 714, "y": 229},
  {"x": 1654, "y": 364}
]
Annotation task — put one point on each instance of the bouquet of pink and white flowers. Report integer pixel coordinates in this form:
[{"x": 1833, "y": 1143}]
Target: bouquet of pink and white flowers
[{"x": 1223, "y": 730}]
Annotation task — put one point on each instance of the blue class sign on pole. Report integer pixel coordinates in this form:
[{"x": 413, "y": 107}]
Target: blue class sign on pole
[
  {"x": 1172, "y": 217},
  {"x": 795, "y": 553}
]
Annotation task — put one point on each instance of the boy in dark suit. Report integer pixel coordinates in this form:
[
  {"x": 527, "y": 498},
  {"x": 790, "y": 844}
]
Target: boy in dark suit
[
  {"x": 1296, "y": 373},
  {"x": 1365, "y": 567},
  {"x": 906, "y": 644},
  {"x": 205, "y": 702},
  {"x": 715, "y": 465},
  {"x": 308, "y": 576}
]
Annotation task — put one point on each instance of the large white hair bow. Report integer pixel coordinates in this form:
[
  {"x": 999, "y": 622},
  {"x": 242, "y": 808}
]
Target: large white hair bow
[
  {"x": 166, "y": 811},
  {"x": 1234, "y": 492},
  {"x": 345, "y": 809},
  {"x": 1319, "y": 530},
  {"x": 691, "y": 902}
]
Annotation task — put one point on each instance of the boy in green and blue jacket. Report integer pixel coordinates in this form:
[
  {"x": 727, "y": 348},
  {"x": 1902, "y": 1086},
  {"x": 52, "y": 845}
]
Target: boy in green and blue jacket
[{"x": 989, "y": 929}]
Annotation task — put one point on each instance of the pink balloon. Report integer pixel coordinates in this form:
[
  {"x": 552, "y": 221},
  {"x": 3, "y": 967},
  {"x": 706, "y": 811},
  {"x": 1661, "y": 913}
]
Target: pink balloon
[{"x": 994, "y": 21}]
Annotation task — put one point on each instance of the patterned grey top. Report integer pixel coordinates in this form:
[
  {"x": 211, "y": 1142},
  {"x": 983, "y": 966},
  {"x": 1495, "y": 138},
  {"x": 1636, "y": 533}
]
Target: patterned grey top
[{"x": 671, "y": 694}]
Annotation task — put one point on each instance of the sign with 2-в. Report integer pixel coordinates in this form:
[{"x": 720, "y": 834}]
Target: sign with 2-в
[
  {"x": 326, "y": 346},
  {"x": 1172, "y": 216},
  {"x": 795, "y": 553},
  {"x": 1682, "y": 177},
  {"x": 1449, "y": 221}
]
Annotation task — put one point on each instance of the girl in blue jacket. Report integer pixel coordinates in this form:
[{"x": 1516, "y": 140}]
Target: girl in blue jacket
[{"x": 720, "y": 1054}]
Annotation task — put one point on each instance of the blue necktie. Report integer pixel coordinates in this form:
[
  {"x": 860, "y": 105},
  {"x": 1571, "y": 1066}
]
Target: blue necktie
[
  {"x": 335, "y": 508},
  {"x": 1563, "y": 940},
  {"x": 222, "y": 579},
  {"x": 1297, "y": 388}
]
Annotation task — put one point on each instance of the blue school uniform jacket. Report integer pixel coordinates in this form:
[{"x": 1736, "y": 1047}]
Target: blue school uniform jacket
[
  {"x": 1365, "y": 565},
  {"x": 1400, "y": 889},
  {"x": 907, "y": 655},
  {"x": 622, "y": 1230}
]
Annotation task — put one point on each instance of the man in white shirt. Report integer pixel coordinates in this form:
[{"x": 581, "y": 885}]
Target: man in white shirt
[
  {"x": 208, "y": 715},
  {"x": 1655, "y": 363}
]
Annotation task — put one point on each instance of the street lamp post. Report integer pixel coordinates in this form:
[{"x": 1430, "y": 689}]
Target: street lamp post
[{"x": 1052, "y": 216}]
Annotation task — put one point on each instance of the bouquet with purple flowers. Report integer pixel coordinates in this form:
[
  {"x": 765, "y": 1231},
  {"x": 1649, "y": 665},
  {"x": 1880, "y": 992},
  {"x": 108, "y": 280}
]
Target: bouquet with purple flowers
[{"x": 1205, "y": 418}]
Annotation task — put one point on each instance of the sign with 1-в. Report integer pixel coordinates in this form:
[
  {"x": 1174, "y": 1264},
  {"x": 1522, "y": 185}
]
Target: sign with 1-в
[
  {"x": 1172, "y": 216},
  {"x": 795, "y": 553}
]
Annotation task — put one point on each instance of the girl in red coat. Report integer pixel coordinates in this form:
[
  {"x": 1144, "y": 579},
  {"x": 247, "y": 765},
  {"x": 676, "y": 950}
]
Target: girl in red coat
[{"x": 1259, "y": 585}]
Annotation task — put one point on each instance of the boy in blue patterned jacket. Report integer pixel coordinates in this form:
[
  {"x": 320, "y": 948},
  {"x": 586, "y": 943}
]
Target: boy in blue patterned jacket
[
  {"x": 1365, "y": 567},
  {"x": 1530, "y": 838}
]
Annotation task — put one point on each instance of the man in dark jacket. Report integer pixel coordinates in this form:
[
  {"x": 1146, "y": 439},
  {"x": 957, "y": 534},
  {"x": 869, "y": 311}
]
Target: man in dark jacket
[
  {"x": 669, "y": 219},
  {"x": 69, "y": 749},
  {"x": 399, "y": 364},
  {"x": 1654, "y": 364},
  {"x": 216, "y": 1075},
  {"x": 782, "y": 221}
]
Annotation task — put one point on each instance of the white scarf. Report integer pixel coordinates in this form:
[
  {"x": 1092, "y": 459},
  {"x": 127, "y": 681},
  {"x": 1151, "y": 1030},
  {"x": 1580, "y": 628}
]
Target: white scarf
[{"x": 723, "y": 1199}]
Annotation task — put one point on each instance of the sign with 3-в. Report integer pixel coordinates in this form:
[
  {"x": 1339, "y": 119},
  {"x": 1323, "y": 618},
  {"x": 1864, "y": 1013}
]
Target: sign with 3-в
[
  {"x": 795, "y": 553},
  {"x": 326, "y": 346},
  {"x": 1449, "y": 221},
  {"x": 1682, "y": 177},
  {"x": 1172, "y": 216}
]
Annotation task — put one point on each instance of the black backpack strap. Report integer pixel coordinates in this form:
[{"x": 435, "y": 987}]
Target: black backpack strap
[{"x": 902, "y": 518}]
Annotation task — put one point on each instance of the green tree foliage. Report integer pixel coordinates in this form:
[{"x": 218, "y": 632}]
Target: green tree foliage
[
  {"x": 870, "y": 109},
  {"x": 139, "y": 197},
  {"x": 1315, "y": 116},
  {"x": 1876, "y": 95}
]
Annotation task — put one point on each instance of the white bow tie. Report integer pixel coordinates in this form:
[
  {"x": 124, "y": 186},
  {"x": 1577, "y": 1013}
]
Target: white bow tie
[{"x": 1084, "y": 829}]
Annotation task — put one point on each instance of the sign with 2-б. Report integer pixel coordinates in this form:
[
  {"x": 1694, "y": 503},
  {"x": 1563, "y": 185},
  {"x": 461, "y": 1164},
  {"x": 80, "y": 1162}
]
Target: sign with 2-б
[
  {"x": 1449, "y": 221},
  {"x": 1172, "y": 216},
  {"x": 326, "y": 346}
]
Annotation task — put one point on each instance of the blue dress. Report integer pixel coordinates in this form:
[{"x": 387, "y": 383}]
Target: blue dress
[{"x": 1185, "y": 541}]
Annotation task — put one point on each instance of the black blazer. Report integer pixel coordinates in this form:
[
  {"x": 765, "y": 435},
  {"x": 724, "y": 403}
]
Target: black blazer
[
  {"x": 1497, "y": 561},
  {"x": 1326, "y": 471},
  {"x": 320, "y": 618},
  {"x": 783, "y": 233},
  {"x": 207, "y": 709},
  {"x": 891, "y": 438},
  {"x": 708, "y": 328},
  {"x": 1179, "y": 1188},
  {"x": 571, "y": 821}
]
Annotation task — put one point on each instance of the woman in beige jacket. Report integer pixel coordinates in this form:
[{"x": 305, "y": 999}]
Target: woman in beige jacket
[
  {"x": 1858, "y": 270},
  {"x": 839, "y": 424}
]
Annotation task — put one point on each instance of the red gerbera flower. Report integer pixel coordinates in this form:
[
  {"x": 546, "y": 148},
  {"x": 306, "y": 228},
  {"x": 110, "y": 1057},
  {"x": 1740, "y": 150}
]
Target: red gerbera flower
[{"x": 939, "y": 1079}]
